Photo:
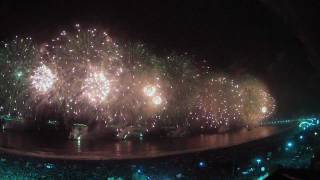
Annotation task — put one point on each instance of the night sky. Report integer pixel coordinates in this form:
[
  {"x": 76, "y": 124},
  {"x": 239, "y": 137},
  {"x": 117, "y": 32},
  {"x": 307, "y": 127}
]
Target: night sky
[{"x": 275, "y": 40}]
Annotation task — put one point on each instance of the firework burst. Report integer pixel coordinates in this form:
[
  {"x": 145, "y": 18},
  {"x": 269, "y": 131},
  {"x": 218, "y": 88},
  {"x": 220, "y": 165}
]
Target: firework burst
[
  {"x": 43, "y": 79},
  {"x": 258, "y": 104},
  {"x": 217, "y": 103},
  {"x": 96, "y": 87},
  {"x": 91, "y": 65},
  {"x": 17, "y": 58}
]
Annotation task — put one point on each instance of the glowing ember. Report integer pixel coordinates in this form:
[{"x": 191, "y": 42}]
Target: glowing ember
[
  {"x": 149, "y": 90},
  {"x": 157, "y": 100}
]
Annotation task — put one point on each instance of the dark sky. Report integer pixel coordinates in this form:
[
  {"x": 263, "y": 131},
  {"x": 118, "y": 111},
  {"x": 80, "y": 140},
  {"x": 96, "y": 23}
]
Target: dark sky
[
  {"x": 276, "y": 40},
  {"x": 213, "y": 30}
]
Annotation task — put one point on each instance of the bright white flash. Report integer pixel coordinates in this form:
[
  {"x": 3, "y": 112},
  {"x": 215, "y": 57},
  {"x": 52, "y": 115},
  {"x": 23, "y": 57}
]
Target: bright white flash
[
  {"x": 264, "y": 109},
  {"x": 43, "y": 79}
]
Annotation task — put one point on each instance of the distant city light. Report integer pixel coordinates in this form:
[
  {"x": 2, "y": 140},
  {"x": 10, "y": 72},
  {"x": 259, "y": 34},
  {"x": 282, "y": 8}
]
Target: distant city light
[
  {"x": 258, "y": 160},
  {"x": 202, "y": 164},
  {"x": 49, "y": 165}
]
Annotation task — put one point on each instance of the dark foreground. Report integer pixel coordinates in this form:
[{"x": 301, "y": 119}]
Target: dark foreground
[
  {"x": 269, "y": 154},
  {"x": 50, "y": 147}
]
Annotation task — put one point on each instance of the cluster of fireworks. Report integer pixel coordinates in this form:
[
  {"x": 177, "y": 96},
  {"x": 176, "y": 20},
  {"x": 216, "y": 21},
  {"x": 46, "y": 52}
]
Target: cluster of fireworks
[
  {"x": 86, "y": 76},
  {"x": 218, "y": 103}
]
